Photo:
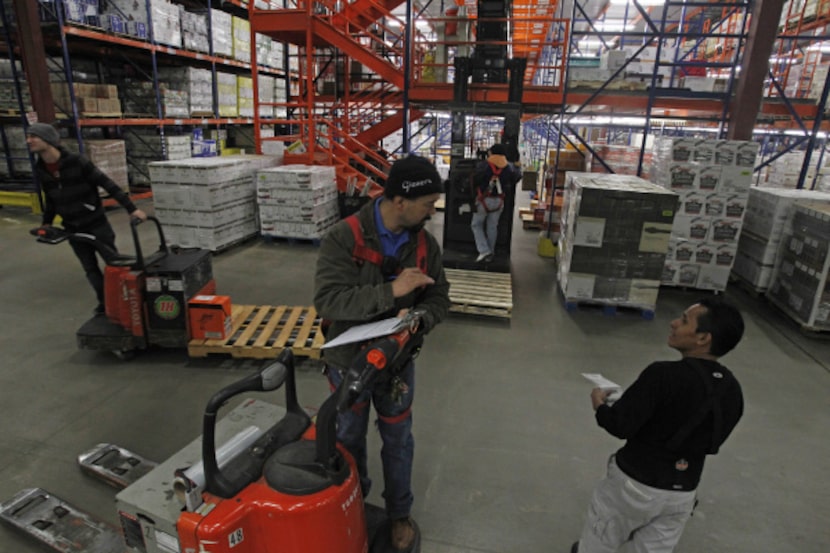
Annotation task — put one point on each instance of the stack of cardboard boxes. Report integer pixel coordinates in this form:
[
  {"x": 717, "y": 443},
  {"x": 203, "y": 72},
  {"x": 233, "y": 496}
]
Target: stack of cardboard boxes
[
  {"x": 713, "y": 178},
  {"x": 766, "y": 223},
  {"x": 297, "y": 201},
  {"x": 615, "y": 235},
  {"x": 195, "y": 83},
  {"x": 130, "y": 17},
  {"x": 92, "y": 99},
  {"x": 228, "y": 94},
  {"x": 207, "y": 202},
  {"x": 800, "y": 285}
]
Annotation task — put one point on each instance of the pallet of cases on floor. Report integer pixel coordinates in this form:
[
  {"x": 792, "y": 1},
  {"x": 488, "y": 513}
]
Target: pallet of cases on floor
[
  {"x": 262, "y": 332},
  {"x": 800, "y": 286},
  {"x": 480, "y": 293},
  {"x": 610, "y": 255}
]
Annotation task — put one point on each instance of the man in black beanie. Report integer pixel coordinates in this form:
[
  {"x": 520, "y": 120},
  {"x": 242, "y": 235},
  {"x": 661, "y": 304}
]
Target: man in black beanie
[
  {"x": 70, "y": 185},
  {"x": 375, "y": 264}
]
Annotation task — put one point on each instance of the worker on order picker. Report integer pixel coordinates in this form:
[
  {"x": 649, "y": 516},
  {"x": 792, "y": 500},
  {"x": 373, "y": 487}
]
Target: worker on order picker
[
  {"x": 493, "y": 180},
  {"x": 375, "y": 264}
]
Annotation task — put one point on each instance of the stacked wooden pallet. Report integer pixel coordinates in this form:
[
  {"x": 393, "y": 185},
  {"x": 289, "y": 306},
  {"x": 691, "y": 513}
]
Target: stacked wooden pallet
[{"x": 481, "y": 293}]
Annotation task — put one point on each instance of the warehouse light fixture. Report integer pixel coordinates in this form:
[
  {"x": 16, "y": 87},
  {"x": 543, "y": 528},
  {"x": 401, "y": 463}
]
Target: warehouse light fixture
[
  {"x": 783, "y": 61},
  {"x": 613, "y": 25},
  {"x": 823, "y": 47},
  {"x": 587, "y": 44}
]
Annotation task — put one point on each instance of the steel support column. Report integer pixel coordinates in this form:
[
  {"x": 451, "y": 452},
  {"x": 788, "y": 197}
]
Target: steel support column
[
  {"x": 30, "y": 40},
  {"x": 754, "y": 66}
]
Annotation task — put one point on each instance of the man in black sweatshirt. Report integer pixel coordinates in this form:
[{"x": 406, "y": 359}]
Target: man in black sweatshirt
[
  {"x": 674, "y": 414},
  {"x": 70, "y": 185}
]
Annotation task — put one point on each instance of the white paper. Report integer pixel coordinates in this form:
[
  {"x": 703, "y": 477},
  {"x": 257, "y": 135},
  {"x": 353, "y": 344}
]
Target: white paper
[
  {"x": 361, "y": 333},
  {"x": 601, "y": 382},
  {"x": 605, "y": 385}
]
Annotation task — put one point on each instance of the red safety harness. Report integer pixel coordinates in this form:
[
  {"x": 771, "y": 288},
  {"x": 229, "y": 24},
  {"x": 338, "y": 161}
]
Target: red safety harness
[
  {"x": 480, "y": 196},
  {"x": 362, "y": 252}
]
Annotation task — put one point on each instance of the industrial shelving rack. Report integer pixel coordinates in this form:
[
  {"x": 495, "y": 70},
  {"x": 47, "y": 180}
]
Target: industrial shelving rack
[
  {"x": 71, "y": 41},
  {"x": 707, "y": 37},
  {"x": 18, "y": 168}
]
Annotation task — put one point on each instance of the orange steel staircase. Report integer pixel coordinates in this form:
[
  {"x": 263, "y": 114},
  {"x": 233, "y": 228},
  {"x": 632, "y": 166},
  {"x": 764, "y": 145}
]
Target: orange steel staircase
[{"x": 343, "y": 129}]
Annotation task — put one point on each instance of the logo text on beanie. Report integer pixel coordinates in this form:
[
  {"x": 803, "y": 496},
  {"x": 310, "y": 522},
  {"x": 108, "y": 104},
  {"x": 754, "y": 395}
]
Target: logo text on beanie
[{"x": 409, "y": 185}]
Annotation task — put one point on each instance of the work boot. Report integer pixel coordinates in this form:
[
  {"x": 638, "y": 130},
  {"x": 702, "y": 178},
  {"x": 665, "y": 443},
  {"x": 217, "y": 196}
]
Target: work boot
[{"x": 403, "y": 533}]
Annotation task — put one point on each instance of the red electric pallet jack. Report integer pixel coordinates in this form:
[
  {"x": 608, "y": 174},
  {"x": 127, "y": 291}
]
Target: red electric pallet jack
[
  {"x": 146, "y": 298},
  {"x": 289, "y": 488}
]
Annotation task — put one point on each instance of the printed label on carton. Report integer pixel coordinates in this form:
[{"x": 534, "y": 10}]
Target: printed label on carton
[
  {"x": 683, "y": 176},
  {"x": 715, "y": 205}
]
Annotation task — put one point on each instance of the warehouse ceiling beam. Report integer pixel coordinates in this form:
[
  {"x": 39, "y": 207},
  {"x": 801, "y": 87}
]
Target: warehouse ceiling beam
[
  {"x": 746, "y": 104},
  {"x": 34, "y": 59}
]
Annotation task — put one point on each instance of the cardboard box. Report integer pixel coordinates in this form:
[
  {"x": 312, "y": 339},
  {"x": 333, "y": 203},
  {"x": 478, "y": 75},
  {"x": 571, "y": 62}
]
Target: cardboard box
[{"x": 210, "y": 317}]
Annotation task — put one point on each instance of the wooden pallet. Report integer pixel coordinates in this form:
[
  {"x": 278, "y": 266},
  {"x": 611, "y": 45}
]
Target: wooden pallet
[
  {"x": 529, "y": 222},
  {"x": 608, "y": 309},
  {"x": 103, "y": 114},
  {"x": 263, "y": 331},
  {"x": 480, "y": 293}
]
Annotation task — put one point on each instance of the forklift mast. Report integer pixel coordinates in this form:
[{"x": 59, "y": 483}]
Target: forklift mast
[{"x": 489, "y": 64}]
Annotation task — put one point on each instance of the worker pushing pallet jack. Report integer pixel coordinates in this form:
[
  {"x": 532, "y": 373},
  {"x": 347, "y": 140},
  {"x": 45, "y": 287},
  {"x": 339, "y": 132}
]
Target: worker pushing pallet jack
[
  {"x": 146, "y": 297},
  {"x": 286, "y": 487}
]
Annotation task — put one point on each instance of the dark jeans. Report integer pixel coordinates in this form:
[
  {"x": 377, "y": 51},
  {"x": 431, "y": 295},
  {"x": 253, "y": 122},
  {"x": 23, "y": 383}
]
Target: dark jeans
[
  {"x": 86, "y": 254},
  {"x": 395, "y": 426}
]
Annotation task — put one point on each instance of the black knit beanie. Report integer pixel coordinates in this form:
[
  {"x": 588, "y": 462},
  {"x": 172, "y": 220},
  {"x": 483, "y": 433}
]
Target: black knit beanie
[{"x": 413, "y": 177}]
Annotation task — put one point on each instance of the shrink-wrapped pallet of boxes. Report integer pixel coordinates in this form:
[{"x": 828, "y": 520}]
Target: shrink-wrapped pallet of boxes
[
  {"x": 265, "y": 89},
  {"x": 615, "y": 235},
  {"x": 141, "y": 100},
  {"x": 147, "y": 145},
  {"x": 194, "y": 30},
  {"x": 16, "y": 153},
  {"x": 297, "y": 201},
  {"x": 226, "y": 88},
  {"x": 166, "y": 24},
  {"x": 768, "y": 214},
  {"x": 207, "y": 202},
  {"x": 222, "y": 33},
  {"x": 9, "y": 101},
  {"x": 800, "y": 283},
  {"x": 245, "y": 96},
  {"x": 241, "y": 38},
  {"x": 196, "y": 83},
  {"x": 712, "y": 178}
]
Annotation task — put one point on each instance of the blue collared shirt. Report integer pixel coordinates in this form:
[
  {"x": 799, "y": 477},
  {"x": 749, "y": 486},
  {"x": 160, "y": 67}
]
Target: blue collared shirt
[{"x": 390, "y": 242}]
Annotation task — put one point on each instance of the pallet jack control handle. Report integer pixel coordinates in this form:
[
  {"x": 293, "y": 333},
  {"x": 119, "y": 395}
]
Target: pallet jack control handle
[
  {"x": 139, "y": 256},
  {"x": 269, "y": 378}
]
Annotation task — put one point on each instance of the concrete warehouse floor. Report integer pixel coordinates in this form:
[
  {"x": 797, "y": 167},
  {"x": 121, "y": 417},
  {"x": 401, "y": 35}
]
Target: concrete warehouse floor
[{"x": 507, "y": 448}]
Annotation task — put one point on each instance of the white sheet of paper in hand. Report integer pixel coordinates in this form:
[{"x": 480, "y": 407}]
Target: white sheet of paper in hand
[
  {"x": 601, "y": 382},
  {"x": 361, "y": 333}
]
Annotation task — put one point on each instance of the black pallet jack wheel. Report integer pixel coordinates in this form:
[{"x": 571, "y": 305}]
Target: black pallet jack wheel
[{"x": 124, "y": 354}]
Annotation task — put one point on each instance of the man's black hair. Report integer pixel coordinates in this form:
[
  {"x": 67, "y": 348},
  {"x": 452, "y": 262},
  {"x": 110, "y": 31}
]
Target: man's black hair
[{"x": 724, "y": 322}]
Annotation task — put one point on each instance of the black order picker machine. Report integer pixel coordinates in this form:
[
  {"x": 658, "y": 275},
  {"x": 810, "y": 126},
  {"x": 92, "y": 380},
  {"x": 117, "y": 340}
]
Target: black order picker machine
[
  {"x": 278, "y": 483},
  {"x": 146, "y": 297}
]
